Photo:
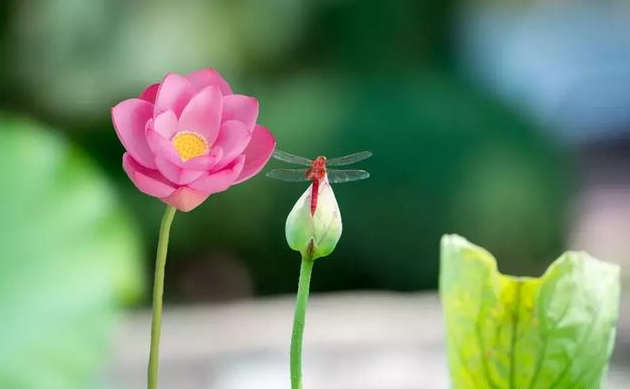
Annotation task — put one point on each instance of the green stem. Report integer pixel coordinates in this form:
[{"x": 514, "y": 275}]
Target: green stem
[
  {"x": 158, "y": 291},
  {"x": 298, "y": 322}
]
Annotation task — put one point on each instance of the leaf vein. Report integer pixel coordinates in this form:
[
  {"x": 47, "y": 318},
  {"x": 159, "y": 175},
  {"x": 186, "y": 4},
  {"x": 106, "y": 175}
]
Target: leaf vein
[
  {"x": 578, "y": 349},
  {"x": 515, "y": 321}
]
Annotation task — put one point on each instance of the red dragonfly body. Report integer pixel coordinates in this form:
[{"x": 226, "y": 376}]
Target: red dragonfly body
[
  {"x": 318, "y": 170},
  {"x": 316, "y": 174}
]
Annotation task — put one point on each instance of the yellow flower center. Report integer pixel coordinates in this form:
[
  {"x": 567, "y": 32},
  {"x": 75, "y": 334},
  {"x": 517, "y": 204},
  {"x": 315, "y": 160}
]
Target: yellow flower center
[{"x": 190, "y": 145}]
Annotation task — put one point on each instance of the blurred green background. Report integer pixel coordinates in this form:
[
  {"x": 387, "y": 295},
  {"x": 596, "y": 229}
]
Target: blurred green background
[{"x": 332, "y": 77}]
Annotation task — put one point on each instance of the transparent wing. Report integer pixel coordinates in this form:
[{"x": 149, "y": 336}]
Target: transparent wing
[
  {"x": 290, "y": 158},
  {"x": 348, "y": 159},
  {"x": 289, "y": 175},
  {"x": 341, "y": 176}
]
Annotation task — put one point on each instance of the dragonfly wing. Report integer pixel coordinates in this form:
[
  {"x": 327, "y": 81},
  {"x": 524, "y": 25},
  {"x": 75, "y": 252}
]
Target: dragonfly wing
[
  {"x": 341, "y": 176},
  {"x": 348, "y": 159},
  {"x": 290, "y": 158},
  {"x": 288, "y": 175}
]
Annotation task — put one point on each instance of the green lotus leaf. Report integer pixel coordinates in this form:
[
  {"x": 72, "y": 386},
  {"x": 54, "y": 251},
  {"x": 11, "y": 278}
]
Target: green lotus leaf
[
  {"x": 68, "y": 256},
  {"x": 553, "y": 332}
]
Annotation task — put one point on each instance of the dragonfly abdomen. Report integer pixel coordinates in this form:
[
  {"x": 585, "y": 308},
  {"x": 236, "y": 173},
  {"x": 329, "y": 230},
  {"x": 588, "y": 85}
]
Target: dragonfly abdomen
[{"x": 314, "y": 196}]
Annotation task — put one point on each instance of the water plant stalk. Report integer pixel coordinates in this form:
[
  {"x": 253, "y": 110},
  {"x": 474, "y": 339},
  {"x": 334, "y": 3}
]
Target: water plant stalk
[
  {"x": 299, "y": 321},
  {"x": 158, "y": 292}
]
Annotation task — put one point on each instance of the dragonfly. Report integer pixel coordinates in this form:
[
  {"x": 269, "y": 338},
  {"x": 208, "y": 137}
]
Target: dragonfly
[{"x": 317, "y": 170}]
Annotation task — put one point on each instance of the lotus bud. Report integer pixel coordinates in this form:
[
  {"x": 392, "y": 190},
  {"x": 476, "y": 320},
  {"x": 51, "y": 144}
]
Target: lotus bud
[{"x": 314, "y": 232}]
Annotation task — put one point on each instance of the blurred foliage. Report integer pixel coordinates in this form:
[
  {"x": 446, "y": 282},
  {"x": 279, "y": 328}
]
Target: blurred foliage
[
  {"x": 68, "y": 258},
  {"x": 556, "y": 331},
  {"x": 332, "y": 77}
]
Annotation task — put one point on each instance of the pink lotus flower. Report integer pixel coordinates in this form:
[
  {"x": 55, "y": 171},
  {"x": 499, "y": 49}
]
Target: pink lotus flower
[{"x": 189, "y": 137}]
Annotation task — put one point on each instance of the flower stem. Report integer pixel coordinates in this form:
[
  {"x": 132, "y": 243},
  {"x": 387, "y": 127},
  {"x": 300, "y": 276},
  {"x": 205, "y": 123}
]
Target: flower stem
[
  {"x": 299, "y": 321},
  {"x": 158, "y": 291}
]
